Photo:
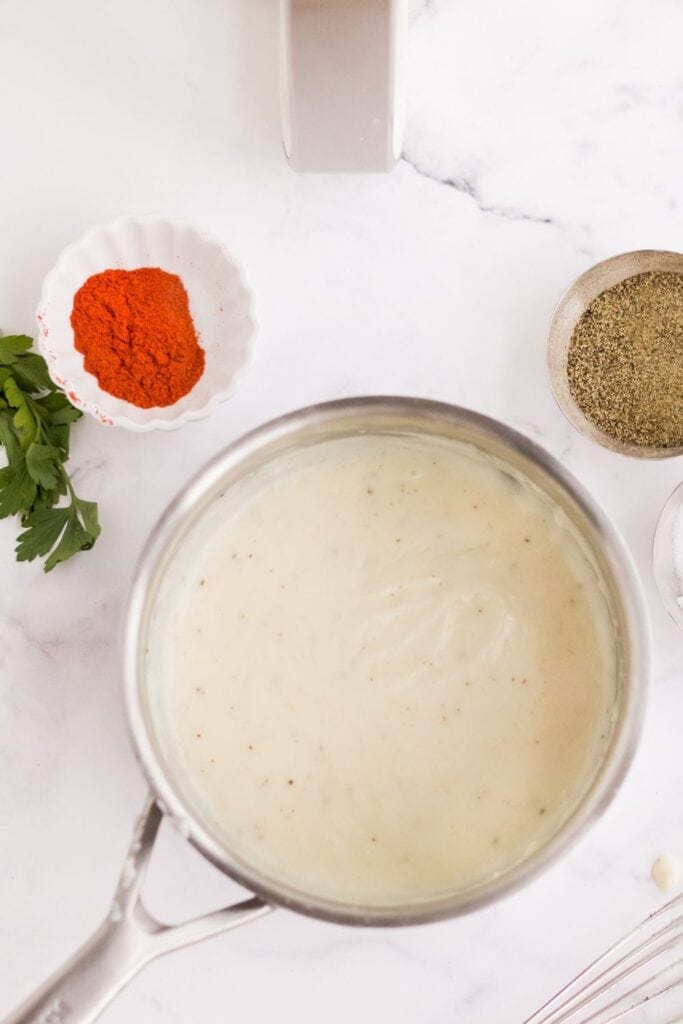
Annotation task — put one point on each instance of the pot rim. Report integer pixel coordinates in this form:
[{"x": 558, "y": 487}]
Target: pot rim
[{"x": 616, "y": 564}]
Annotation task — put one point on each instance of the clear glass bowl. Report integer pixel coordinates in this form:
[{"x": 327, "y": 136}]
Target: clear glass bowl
[
  {"x": 570, "y": 308},
  {"x": 669, "y": 580}
]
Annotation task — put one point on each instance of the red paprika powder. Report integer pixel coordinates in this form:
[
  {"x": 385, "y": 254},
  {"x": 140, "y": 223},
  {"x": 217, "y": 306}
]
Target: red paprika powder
[{"x": 135, "y": 330}]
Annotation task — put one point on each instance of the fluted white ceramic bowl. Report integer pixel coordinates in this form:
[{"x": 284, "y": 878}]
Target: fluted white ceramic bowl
[{"x": 221, "y": 304}]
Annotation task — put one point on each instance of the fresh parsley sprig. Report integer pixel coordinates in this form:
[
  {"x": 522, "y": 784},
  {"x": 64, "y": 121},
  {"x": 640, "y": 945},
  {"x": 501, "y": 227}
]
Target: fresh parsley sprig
[{"x": 35, "y": 419}]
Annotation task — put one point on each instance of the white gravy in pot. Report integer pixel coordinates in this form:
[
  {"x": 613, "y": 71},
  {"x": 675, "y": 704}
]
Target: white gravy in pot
[{"x": 383, "y": 667}]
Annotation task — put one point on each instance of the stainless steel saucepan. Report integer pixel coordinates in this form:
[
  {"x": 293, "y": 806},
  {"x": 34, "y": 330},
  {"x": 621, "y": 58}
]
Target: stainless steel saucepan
[{"x": 130, "y": 937}]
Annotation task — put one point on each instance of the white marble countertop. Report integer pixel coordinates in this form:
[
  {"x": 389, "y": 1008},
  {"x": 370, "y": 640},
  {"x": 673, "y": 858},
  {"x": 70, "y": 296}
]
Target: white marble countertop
[{"x": 541, "y": 138}]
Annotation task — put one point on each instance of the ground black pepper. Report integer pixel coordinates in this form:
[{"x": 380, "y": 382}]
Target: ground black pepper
[{"x": 625, "y": 360}]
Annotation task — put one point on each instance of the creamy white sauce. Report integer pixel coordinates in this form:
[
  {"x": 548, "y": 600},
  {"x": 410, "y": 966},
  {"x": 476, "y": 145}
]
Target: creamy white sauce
[{"x": 383, "y": 668}]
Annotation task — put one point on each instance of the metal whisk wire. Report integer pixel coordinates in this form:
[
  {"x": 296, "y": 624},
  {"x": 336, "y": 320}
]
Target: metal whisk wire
[{"x": 639, "y": 969}]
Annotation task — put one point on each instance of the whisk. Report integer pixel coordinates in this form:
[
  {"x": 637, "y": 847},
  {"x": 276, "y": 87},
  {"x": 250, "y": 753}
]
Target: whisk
[{"x": 639, "y": 978}]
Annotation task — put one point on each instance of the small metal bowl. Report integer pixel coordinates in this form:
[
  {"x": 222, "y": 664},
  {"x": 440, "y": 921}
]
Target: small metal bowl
[{"x": 571, "y": 308}]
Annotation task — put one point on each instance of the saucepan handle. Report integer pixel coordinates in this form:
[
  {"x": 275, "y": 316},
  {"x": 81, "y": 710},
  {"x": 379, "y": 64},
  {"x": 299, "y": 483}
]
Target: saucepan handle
[{"x": 128, "y": 939}]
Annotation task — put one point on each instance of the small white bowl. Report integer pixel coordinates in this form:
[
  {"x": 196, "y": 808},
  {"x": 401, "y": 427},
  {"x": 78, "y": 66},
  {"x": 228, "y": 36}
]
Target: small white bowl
[{"x": 221, "y": 305}]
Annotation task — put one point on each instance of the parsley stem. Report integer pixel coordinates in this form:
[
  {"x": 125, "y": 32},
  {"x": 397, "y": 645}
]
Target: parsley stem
[{"x": 69, "y": 485}]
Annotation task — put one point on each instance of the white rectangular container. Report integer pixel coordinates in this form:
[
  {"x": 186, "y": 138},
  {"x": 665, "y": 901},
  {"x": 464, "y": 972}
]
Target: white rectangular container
[{"x": 341, "y": 83}]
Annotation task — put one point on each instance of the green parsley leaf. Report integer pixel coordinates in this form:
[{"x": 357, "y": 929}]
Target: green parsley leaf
[
  {"x": 31, "y": 373},
  {"x": 55, "y": 402},
  {"x": 18, "y": 490},
  {"x": 12, "y": 346},
  {"x": 45, "y": 499},
  {"x": 74, "y": 539},
  {"x": 43, "y": 462},
  {"x": 24, "y": 421},
  {"x": 87, "y": 510},
  {"x": 44, "y": 528},
  {"x": 56, "y": 416},
  {"x": 59, "y": 437},
  {"x": 8, "y": 438},
  {"x": 75, "y": 527}
]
